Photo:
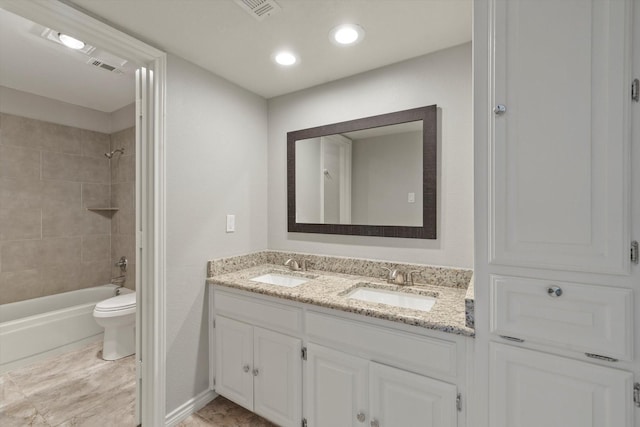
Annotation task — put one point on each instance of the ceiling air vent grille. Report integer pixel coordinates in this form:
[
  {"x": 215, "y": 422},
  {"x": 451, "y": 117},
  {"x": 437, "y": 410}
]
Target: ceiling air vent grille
[
  {"x": 100, "y": 64},
  {"x": 259, "y": 9}
]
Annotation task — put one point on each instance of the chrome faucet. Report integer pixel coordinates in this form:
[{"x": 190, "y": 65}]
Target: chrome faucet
[
  {"x": 399, "y": 277},
  {"x": 119, "y": 282},
  {"x": 294, "y": 266}
]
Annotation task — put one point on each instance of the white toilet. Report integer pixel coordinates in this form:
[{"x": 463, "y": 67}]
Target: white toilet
[{"x": 117, "y": 316}]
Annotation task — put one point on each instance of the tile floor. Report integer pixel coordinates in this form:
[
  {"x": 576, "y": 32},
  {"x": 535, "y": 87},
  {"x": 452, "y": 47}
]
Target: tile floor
[
  {"x": 79, "y": 389},
  {"x": 72, "y": 389},
  {"x": 223, "y": 413}
]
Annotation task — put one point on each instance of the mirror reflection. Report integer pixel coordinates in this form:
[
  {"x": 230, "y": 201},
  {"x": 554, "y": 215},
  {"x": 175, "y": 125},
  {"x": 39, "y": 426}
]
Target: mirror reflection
[
  {"x": 366, "y": 177},
  {"x": 374, "y": 176}
]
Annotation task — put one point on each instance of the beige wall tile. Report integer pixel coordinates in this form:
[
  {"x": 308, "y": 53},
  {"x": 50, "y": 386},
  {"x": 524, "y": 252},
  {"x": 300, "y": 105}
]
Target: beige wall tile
[
  {"x": 60, "y": 220},
  {"x": 95, "y": 274},
  {"x": 20, "y": 193},
  {"x": 97, "y": 249},
  {"x": 96, "y": 222},
  {"x": 122, "y": 244},
  {"x": 95, "y": 144},
  {"x": 123, "y": 169},
  {"x": 18, "y": 162},
  {"x": 65, "y": 252},
  {"x": 25, "y": 132},
  {"x": 61, "y": 193},
  {"x": 65, "y": 167},
  {"x": 96, "y": 195},
  {"x": 20, "y": 285},
  {"x": 123, "y": 196},
  {"x": 17, "y": 255},
  {"x": 59, "y": 279},
  {"x": 126, "y": 139},
  {"x": 124, "y": 222},
  {"x": 20, "y": 224}
]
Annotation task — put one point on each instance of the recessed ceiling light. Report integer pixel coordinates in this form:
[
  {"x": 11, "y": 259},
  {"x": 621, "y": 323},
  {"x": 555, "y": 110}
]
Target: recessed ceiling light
[
  {"x": 285, "y": 58},
  {"x": 71, "y": 42},
  {"x": 346, "y": 34}
]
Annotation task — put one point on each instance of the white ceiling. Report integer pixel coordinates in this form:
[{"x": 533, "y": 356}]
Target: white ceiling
[
  {"x": 32, "y": 64},
  {"x": 221, "y": 37}
]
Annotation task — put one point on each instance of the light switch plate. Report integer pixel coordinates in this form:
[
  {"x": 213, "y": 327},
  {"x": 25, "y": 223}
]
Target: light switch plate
[
  {"x": 411, "y": 198},
  {"x": 231, "y": 223}
]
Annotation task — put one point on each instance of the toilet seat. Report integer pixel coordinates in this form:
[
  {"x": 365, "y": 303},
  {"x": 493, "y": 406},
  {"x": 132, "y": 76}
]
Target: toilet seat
[{"x": 116, "y": 306}]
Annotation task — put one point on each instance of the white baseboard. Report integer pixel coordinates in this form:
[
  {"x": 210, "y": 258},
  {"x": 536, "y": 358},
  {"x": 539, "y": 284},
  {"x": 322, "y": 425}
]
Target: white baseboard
[{"x": 191, "y": 406}]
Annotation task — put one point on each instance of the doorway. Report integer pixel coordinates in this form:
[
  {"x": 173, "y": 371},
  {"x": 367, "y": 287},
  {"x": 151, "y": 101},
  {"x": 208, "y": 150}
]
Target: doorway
[{"x": 149, "y": 230}]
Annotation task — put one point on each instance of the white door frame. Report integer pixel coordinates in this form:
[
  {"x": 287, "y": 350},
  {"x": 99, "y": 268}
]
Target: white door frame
[
  {"x": 150, "y": 199},
  {"x": 345, "y": 146}
]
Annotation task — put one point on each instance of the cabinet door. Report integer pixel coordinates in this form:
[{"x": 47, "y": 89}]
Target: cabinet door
[
  {"x": 234, "y": 361},
  {"x": 560, "y": 168},
  {"x": 533, "y": 389},
  {"x": 401, "y": 398},
  {"x": 277, "y": 377},
  {"x": 335, "y": 388}
]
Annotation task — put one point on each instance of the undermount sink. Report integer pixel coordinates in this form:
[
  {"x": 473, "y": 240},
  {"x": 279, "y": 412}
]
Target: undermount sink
[
  {"x": 280, "y": 280},
  {"x": 393, "y": 298}
]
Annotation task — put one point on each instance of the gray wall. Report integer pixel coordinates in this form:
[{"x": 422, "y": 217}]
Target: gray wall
[
  {"x": 385, "y": 170},
  {"x": 442, "y": 78},
  {"x": 216, "y": 152}
]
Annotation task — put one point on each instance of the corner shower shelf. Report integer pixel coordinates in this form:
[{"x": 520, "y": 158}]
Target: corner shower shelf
[{"x": 107, "y": 210}]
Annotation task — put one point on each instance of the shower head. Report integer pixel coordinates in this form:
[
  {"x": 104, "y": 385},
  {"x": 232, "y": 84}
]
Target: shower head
[{"x": 110, "y": 155}]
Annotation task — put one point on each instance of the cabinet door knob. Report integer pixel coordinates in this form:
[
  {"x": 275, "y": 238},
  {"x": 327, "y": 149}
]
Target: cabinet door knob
[
  {"x": 500, "y": 109},
  {"x": 554, "y": 291},
  {"x": 255, "y": 372},
  {"x": 375, "y": 423},
  {"x": 360, "y": 417},
  {"x": 246, "y": 368}
]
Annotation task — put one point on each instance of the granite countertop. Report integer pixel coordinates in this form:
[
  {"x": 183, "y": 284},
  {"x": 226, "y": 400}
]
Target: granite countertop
[{"x": 328, "y": 289}]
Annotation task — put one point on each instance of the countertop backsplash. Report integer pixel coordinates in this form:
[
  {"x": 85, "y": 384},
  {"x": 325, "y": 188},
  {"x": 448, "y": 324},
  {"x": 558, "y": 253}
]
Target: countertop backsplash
[{"x": 428, "y": 275}]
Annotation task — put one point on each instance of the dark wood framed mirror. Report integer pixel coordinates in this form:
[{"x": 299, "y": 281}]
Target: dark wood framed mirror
[{"x": 375, "y": 176}]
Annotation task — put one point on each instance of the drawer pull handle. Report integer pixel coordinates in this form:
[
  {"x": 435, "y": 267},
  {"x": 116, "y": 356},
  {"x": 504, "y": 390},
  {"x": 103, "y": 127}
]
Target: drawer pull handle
[
  {"x": 360, "y": 416},
  {"x": 245, "y": 368},
  {"x": 255, "y": 372},
  {"x": 597, "y": 356},
  {"x": 375, "y": 423},
  {"x": 508, "y": 338},
  {"x": 554, "y": 291}
]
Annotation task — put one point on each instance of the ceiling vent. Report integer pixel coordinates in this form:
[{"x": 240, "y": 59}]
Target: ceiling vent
[
  {"x": 100, "y": 64},
  {"x": 260, "y": 9}
]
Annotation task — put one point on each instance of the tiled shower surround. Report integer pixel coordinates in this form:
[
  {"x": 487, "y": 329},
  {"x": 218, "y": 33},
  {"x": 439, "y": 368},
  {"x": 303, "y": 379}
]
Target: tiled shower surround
[{"x": 49, "y": 175}]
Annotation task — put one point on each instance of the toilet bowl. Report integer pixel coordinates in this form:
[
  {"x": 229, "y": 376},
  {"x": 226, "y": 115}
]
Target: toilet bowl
[{"x": 117, "y": 316}]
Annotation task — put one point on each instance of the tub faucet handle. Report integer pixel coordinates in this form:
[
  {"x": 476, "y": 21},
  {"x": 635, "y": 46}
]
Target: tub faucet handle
[{"x": 122, "y": 263}]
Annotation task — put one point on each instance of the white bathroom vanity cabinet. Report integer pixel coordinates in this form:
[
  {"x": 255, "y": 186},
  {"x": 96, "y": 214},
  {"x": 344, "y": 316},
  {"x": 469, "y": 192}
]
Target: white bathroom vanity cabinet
[{"x": 299, "y": 364}]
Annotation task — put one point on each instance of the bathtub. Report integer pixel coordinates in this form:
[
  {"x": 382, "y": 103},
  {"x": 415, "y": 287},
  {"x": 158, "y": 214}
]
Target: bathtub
[{"x": 40, "y": 327}]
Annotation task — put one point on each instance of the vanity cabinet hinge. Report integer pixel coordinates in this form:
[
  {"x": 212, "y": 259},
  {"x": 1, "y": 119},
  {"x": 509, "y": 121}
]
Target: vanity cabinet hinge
[
  {"x": 214, "y": 381},
  {"x": 304, "y": 422},
  {"x": 303, "y": 353},
  {"x": 513, "y": 339},
  {"x": 635, "y": 90},
  {"x": 214, "y": 324},
  {"x": 599, "y": 357},
  {"x": 459, "y": 402},
  {"x": 634, "y": 252},
  {"x": 636, "y": 394}
]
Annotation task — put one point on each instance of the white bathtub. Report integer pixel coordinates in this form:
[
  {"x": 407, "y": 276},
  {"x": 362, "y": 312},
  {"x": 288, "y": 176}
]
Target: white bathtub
[{"x": 40, "y": 327}]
